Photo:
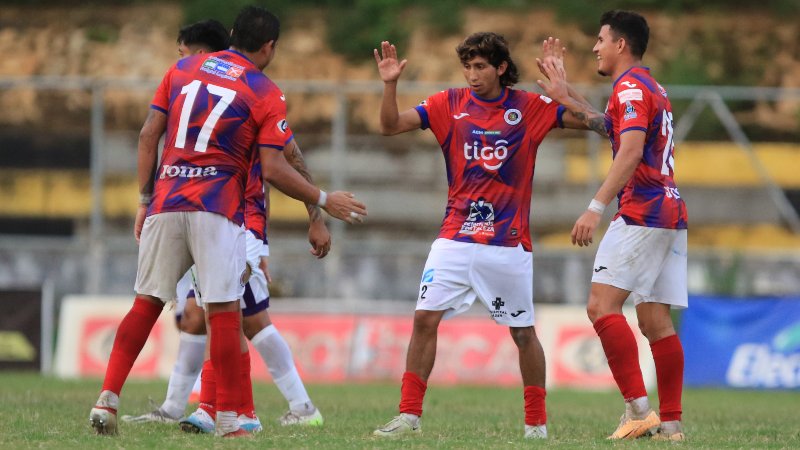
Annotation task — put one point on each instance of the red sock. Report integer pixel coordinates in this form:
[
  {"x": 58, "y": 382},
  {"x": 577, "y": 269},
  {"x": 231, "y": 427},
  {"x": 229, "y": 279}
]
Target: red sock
[
  {"x": 622, "y": 353},
  {"x": 535, "y": 412},
  {"x": 247, "y": 408},
  {"x": 129, "y": 341},
  {"x": 208, "y": 389},
  {"x": 668, "y": 356},
  {"x": 412, "y": 392},
  {"x": 226, "y": 357}
]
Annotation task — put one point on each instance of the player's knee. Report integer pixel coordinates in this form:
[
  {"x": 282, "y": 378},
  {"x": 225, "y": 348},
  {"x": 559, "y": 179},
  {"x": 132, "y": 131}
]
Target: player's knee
[
  {"x": 252, "y": 325},
  {"x": 426, "y": 322},
  {"x": 594, "y": 310},
  {"x": 655, "y": 330},
  {"x": 523, "y": 336}
]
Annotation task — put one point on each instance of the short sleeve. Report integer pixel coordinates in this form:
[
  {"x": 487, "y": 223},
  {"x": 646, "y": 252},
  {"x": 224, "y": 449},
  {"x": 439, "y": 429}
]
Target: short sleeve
[
  {"x": 270, "y": 113},
  {"x": 161, "y": 98},
  {"x": 433, "y": 110},
  {"x": 632, "y": 106},
  {"x": 547, "y": 112}
]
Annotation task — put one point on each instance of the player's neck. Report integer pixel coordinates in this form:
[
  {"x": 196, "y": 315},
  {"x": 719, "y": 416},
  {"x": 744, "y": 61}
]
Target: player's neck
[
  {"x": 257, "y": 58},
  {"x": 624, "y": 66}
]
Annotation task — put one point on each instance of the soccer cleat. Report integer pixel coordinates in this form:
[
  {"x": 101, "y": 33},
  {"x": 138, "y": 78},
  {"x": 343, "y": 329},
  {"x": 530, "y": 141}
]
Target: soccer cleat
[
  {"x": 157, "y": 415},
  {"x": 291, "y": 418},
  {"x": 198, "y": 422},
  {"x": 249, "y": 424},
  {"x": 630, "y": 428},
  {"x": 401, "y": 425},
  {"x": 535, "y": 431},
  {"x": 236, "y": 434},
  {"x": 103, "y": 421},
  {"x": 670, "y": 431},
  {"x": 103, "y": 417}
]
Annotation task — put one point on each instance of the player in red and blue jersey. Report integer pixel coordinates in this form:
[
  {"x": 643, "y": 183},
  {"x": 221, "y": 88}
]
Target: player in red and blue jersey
[
  {"x": 489, "y": 134},
  {"x": 643, "y": 254},
  {"x": 216, "y": 110}
]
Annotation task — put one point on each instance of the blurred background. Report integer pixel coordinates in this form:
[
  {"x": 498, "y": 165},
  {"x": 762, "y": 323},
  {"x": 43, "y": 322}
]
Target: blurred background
[{"x": 76, "y": 79}]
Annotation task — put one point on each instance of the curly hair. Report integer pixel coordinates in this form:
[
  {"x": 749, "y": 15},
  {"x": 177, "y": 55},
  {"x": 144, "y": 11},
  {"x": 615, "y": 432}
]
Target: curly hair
[{"x": 494, "y": 48}]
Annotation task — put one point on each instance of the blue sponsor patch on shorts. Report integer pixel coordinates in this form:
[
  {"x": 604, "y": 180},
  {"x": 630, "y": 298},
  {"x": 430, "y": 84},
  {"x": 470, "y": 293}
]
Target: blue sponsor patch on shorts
[{"x": 427, "y": 277}]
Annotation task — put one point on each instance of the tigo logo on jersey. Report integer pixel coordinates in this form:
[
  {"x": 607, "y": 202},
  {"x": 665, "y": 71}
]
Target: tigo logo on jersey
[
  {"x": 492, "y": 157},
  {"x": 283, "y": 126},
  {"x": 187, "y": 171},
  {"x": 512, "y": 116}
]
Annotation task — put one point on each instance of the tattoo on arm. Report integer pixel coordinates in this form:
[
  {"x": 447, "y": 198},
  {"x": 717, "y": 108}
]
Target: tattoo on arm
[
  {"x": 295, "y": 158},
  {"x": 591, "y": 118}
]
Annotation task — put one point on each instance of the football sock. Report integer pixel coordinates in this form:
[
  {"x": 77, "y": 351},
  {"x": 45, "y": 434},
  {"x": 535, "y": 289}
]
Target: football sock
[
  {"x": 247, "y": 407},
  {"x": 129, "y": 341},
  {"x": 184, "y": 375},
  {"x": 620, "y": 348},
  {"x": 412, "y": 393},
  {"x": 226, "y": 358},
  {"x": 668, "y": 357},
  {"x": 208, "y": 389},
  {"x": 278, "y": 357},
  {"x": 535, "y": 412}
]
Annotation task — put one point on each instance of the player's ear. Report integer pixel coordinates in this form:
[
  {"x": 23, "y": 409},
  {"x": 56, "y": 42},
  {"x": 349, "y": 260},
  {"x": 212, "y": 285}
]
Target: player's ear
[{"x": 501, "y": 69}]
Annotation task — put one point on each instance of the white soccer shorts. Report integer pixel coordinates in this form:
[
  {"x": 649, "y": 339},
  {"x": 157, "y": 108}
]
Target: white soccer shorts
[
  {"x": 457, "y": 273},
  {"x": 649, "y": 262},
  {"x": 172, "y": 241}
]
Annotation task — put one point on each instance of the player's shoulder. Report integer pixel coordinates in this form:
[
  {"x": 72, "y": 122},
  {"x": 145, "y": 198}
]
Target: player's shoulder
[{"x": 522, "y": 96}]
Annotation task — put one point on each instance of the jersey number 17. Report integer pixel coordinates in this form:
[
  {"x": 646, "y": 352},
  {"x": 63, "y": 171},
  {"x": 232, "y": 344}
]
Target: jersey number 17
[{"x": 190, "y": 90}]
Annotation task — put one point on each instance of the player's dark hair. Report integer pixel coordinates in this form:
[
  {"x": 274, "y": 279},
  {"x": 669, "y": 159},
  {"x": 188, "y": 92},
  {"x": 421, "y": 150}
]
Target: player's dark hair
[
  {"x": 631, "y": 26},
  {"x": 208, "y": 33},
  {"x": 494, "y": 48},
  {"x": 254, "y": 27}
]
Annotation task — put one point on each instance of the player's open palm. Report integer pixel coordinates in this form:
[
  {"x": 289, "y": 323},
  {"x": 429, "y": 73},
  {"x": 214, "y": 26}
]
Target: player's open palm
[
  {"x": 551, "y": 64},
  {"x": 389, "y": 67},
  {"x": 344, "y": 206}
]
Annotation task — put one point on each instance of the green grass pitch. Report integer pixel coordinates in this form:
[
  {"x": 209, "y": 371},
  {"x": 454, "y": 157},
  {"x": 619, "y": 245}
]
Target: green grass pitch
[{"x": 39, "y": 412}]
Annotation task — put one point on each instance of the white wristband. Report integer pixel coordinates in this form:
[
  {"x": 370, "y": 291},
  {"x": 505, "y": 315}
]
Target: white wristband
[
  {"x": 145, "y": 199},
  {"x": 323, "y": 198},
  {"x": 596, "y": 206}
]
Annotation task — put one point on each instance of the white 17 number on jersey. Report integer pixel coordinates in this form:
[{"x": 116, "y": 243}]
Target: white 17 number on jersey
[{"x": 226, "y": 97}]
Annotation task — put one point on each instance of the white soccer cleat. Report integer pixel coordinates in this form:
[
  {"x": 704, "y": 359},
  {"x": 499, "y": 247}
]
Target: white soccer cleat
[
  {"x": 103, "y": 417},
  {"x": 402, "y": 425},
  {"x": 157, "y": 415},
  {"x": 535, "y": 431},
  {"x": 198, "y": 422},
  {"x": 292, "y": 418},
  {"x": 250, "y": 424}
]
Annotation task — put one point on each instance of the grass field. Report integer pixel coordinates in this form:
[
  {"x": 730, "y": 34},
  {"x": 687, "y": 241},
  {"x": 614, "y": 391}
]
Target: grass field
[{"x": 40, "y": 412}]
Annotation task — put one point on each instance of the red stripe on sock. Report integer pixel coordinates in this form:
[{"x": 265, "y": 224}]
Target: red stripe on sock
[
  {"x": 247, "y": 408},
  {"x": 129, "y": 341},
  {"x": 622, "y": 354},
  {"x": 535, "y": 411},
  {"x": 225, "y": 355},
  {"x": 208, "y": 389},
  {"x": 412, "y": 393},
  {"x": 668, "y": 357}
]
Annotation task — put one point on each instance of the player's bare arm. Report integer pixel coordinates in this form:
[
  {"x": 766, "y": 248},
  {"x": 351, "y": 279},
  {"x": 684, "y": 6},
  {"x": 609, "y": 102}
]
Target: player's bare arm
[
  {"x": 580, "y": 113},
  {"x": 154, "y": 126},
  {"x": 392, "y": 121},
  {"x": 318, "y": 235},
  {"x": 628, "y": 156},
  {"x": 277, "y": 171}
]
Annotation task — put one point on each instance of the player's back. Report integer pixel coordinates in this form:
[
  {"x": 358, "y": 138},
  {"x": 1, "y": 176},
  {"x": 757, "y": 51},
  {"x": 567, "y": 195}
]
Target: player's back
[{"x": 219, "y": 107}]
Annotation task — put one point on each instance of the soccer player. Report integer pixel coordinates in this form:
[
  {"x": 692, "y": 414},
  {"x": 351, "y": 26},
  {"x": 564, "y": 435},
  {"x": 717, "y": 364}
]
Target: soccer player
[
  {"x": 216, "y": 110},
  {"x": 489, "y": 134},
  {"x": 206, "y": 37},
  {"x": 642, "y": 256}
]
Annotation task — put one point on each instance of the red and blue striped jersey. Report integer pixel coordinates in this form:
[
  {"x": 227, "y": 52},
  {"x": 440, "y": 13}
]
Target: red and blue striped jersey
[
  {"x": 220, "y": 108},
  {"x": 651, "y": 197},
  {"x": 489, "y": 148},
  {"x": 255, "y": 218}
]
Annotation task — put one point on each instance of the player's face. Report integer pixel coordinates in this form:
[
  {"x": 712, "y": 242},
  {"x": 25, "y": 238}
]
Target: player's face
[
  {"x": 482, "y": 77},
  {"x": 606, "y": 51}
]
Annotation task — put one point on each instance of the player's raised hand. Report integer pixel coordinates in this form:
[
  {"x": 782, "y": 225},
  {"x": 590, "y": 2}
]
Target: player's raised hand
[
  {"x": 552, "y": 67},
  {"x": 343, "y": 206},
  {"x": 389, "y": 67}
]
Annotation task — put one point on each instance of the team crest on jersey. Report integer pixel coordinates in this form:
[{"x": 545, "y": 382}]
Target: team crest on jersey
[
  {"x": 512, "y": 116},
  {"x": 480, "y": 219},
  {"x": 221, "y": 68},
  {"x": 283, "y": 126},
  {"x": 630, "y": 111}
]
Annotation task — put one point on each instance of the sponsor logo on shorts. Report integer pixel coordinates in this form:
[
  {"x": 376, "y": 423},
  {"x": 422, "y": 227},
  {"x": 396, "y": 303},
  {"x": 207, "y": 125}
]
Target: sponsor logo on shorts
[
  {"x": 498, "y": 304},
  {"x": 480, "y": 219},
  {"x": 516, "y": 314},
  {"x": 427, "y": 277},
  {"x": 598, "y": 269},
  {"x": 168, "y": 171}
]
